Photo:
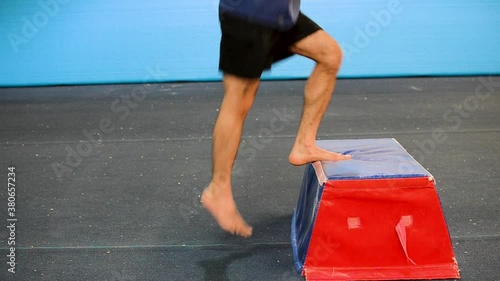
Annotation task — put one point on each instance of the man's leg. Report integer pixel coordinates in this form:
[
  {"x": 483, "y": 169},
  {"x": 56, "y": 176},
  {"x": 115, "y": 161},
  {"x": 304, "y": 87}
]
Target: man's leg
[
  {"x": 217, "y": 198},
  {"x": 323, "y": 49}
]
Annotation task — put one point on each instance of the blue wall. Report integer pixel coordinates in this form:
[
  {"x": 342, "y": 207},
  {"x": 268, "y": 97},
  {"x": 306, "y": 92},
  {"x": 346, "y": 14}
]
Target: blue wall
[{"x": 45, "y": 42}]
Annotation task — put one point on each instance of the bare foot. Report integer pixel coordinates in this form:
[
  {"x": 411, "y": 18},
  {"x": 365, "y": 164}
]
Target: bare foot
[
  {"x": 223, "y": 209},
  {"x": 303, "y": 155}
]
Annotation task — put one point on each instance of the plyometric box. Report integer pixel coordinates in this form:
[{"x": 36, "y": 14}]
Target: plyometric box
[{"x": 374, "y": 217}]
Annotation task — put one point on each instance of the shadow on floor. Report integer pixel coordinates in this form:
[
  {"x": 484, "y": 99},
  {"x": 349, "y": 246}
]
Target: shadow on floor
[{"x": 216, "y": 268}]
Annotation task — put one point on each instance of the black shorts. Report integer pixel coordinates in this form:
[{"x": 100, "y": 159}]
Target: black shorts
[{"x": 247, "y": 49}]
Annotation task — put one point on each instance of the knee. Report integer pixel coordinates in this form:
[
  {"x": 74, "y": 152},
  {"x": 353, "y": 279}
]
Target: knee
[
  {"x": 246, "y": 102},
  {"x": 331, "y": 57},
  {"x": 240, "y": 93},
  {"x": 247, "y": 96}
]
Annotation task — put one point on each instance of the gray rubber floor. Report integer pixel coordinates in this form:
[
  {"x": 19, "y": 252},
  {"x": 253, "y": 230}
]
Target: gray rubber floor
[{"x": 108, "y": 185}]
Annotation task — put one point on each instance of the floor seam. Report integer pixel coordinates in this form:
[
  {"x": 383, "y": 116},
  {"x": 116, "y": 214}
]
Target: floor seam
[{"x": 343, "y": 135}]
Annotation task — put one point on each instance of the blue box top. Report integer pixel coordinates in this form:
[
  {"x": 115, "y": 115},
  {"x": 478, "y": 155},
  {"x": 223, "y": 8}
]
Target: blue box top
[{"x": 371, "y": 159}]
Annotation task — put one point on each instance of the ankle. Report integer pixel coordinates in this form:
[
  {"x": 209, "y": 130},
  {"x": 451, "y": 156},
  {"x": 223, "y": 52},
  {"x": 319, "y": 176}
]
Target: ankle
[
  {"x": 215, "y": 189},
  {"x": 302, "y": 145}
]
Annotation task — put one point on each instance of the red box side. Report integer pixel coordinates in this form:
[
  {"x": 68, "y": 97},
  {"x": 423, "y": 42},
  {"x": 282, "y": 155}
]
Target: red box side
[{"x": 355, "y": 235}]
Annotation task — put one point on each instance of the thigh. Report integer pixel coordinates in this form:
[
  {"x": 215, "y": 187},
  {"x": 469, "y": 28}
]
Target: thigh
[
  {"x": 304, "y": 28},
  {"x": 319, "y": 46}
]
